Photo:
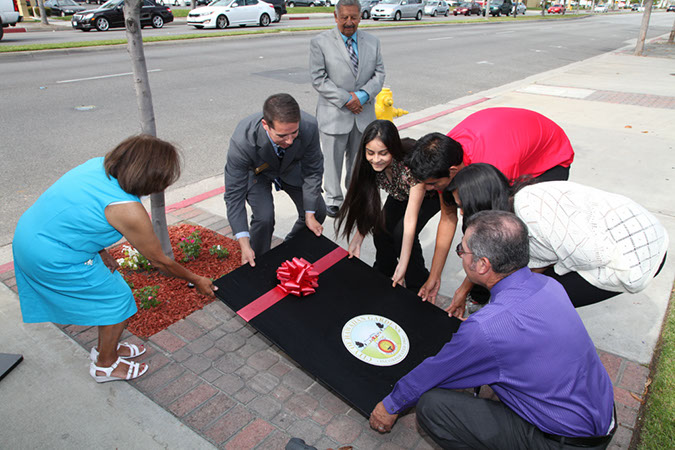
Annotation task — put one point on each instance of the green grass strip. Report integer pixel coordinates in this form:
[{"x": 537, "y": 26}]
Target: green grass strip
[
  {"x": 308, "y": 10},
  {"x": 658, "y": 424},
  {"x": 244, "y": 31}
]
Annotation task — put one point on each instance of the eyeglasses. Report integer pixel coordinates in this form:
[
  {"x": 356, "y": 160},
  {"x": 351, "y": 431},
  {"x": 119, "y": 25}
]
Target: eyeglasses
[{"x": 460, "y": 251}]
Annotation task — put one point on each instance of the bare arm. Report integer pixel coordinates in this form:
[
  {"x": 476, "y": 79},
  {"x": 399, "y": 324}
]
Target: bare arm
[
  {"x": 412, "y": 211},
  {"x": 458, "y": 303},
  {"x": 131, "y": 219},
  {"x": 446, "y": 232}
]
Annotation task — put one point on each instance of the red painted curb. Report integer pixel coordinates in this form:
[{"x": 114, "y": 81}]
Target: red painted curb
[
  {"x": 15, "y": 30},
  {"x": 298, "y": 18},
  {"x": 442, "y": 113},
  {"x": 7, "y": 267},
  {"x": 195, "y": 199}
]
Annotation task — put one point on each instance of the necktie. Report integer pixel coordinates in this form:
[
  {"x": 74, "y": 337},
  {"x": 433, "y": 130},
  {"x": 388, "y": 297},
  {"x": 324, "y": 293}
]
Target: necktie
[
  {"x": 352, "y": 55},
  {"x": 280, "y": 154}
]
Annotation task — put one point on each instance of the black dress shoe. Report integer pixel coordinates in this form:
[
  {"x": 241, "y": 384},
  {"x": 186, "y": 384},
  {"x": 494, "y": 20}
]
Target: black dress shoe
[{"x": 332, "y": 211}]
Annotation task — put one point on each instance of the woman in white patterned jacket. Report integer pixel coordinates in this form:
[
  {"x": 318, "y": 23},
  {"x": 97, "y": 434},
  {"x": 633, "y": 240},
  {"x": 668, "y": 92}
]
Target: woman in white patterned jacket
[{"x": 595, "y": 243}]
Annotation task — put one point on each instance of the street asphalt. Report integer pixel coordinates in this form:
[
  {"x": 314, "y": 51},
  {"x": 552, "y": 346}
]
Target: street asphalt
[{"x": 617, "y": 109}]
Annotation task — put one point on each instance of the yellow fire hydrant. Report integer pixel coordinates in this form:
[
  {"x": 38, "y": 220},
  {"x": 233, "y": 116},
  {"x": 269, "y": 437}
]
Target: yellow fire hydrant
[{"x": 384, "y": 106}]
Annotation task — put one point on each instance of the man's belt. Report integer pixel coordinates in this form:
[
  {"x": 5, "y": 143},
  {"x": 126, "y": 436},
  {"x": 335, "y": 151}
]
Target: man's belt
[{"x": 591, "y": 441}]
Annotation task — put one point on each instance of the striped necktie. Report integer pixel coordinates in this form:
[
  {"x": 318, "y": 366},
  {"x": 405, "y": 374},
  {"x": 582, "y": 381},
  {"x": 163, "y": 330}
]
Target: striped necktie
[{"x": 352, "y": 55}]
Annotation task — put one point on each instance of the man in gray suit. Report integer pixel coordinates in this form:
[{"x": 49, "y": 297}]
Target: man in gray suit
[
  {"x": 279, "y": 147},
  {"x": 347, "y": 72}
]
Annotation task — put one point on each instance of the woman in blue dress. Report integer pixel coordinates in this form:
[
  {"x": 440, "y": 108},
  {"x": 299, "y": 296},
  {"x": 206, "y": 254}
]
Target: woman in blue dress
[{"x": 63, "y": 272}]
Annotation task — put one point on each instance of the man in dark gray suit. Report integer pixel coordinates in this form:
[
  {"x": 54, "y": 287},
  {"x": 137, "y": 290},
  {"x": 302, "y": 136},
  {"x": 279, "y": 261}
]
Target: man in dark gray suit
[
  {"x": 347, "y": 71},
  {"x": 279, "y": 147}
]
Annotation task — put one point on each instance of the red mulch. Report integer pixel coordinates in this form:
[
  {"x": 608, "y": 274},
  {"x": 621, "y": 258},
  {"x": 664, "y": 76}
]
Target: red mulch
[{"x": 178, "y": 300}]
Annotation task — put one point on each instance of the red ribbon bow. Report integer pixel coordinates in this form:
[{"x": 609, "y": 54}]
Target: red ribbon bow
[{"x": 297, "y": 277}]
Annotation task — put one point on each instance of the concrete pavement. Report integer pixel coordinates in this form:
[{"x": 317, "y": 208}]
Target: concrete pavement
[{"x": 618, "y": 111}]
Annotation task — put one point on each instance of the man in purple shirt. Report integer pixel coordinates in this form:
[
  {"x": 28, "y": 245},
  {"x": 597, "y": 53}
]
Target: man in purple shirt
[{"x": 528, "y": 344}]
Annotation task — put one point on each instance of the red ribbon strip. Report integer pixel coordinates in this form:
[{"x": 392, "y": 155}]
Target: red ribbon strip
[{"x": 272, "y": 296}]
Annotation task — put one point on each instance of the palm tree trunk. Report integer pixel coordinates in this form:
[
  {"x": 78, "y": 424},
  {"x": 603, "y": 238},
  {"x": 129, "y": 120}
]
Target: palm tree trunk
[{"x": 132, "y": 14}]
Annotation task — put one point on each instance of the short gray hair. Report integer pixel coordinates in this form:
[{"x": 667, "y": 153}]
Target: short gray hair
[
  {"x": 501, "y": 237},
  {"x": 342, "y": 3}
]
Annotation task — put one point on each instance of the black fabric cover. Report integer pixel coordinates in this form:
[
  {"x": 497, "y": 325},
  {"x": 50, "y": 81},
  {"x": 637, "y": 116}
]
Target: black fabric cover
[{"x": 308, "y": 329}]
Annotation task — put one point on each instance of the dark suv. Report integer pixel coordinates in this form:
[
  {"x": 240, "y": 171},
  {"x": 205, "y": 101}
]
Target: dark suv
[
  {"x": 279, "y": 7},
  {"x": 111, "y": 14},
  {"x": 499, "y": 7}
]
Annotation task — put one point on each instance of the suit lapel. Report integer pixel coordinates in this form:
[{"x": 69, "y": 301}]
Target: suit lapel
[
  {"x": 362, "y": 50},
  {"x": 342, "y": 48},
  {"x": 265, "y": 149}
]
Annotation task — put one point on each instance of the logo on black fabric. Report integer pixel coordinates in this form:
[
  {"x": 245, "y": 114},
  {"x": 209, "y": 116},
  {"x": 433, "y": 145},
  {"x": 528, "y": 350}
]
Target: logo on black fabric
[{"x": 375, "y": 340}]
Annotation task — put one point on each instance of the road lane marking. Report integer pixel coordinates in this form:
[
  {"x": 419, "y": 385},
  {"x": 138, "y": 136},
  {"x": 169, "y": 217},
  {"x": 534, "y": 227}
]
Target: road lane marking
[
  {"x": 100, "y": 77},
  {"x": 441, "y": 38}
]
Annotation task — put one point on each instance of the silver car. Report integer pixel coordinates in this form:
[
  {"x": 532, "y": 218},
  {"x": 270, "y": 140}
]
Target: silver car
[
  {"x": 366, "y": 8},
  {"x": 435, "y": 7},
  {"x": 397, "y": 9}
]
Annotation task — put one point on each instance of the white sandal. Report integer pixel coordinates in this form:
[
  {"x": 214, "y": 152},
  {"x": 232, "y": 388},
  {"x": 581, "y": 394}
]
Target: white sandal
[
  {"x": 134, "y": 351},
  {"x": 134, "y": 371}
]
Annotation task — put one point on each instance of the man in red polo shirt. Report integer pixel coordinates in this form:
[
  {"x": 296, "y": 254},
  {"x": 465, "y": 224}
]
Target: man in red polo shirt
[{"x": 518, "y": 142}]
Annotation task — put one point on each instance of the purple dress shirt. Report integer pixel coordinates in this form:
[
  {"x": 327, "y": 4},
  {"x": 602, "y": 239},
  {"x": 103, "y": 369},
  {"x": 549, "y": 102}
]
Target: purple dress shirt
[{"x": 530, "y": 346}]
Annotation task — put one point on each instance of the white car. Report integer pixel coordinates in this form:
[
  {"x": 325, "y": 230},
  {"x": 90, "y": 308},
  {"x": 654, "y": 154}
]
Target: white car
[
  {"x": 601, "y": 8},
  {"x": 435, "y": 7},
  {"x": 223, "y": 13},
  {"x": 521, "y": 9}
]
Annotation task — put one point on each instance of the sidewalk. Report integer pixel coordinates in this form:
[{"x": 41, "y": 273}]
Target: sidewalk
[{"x": 215, "y": 382}]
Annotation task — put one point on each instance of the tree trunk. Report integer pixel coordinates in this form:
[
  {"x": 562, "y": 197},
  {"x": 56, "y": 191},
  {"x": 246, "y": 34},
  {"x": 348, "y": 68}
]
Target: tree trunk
[
  {"x": 639, "y": 48},
  {"x": 43, "y": 13},
  {"x": 132, "y": 14},
  {"x": 672, "y": 34}
]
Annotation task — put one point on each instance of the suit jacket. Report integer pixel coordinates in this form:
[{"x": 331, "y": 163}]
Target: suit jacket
[
  {"x": 332, "y": 77},
  {"x": 251, "y": 150}
]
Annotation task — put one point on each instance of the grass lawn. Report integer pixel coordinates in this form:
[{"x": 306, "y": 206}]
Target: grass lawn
[
  {"x": 657, "y": 430},
  {"x": 308, "y": 10}
]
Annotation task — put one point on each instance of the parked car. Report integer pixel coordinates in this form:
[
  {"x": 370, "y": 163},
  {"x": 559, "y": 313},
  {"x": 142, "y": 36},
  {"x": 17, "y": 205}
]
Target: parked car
[
  {"x": 367, "y": 7},
  {"x": 499, "y": 7},
  {"x": 435, "y": 7},
  {"x": 64, "y": 7},
  {"x": 9, "y": 15},
  {"x": 520, "y": 9},
  {"x": 223, "y": 13},
  {"x": 397, "y": 9},
  {"x": 670, "y": 8},
  {"x": 279, "y": 8},
  {"x": 311, "y": 3},
  {"x": 467, "y": 9},
  {"x": 556, "y": 9},
  {"x": 601, "y": 8},
  {"x": 111, "y": 15}
]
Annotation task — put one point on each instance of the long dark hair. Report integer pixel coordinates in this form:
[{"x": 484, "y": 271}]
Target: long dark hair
[
  {"x": 362, "y": 206},
  {"x": 480, "y": 187}
]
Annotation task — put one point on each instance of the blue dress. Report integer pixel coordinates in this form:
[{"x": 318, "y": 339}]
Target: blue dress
[{"x": 60, "y": 276}]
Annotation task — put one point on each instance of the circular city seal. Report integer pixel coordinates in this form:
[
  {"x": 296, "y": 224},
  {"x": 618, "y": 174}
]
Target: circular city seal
[{"x": 375, "y": 340}]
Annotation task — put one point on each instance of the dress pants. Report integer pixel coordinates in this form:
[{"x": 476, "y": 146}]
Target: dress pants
[
  {"x": 259, "y": 198},
  {"x": 458, "y": 420},
  {"x": 388, "y": 241},
  {"x": 338, "y": 149}
]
